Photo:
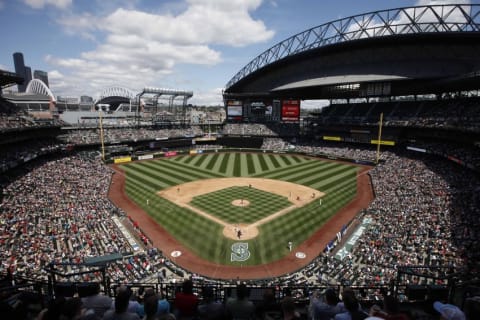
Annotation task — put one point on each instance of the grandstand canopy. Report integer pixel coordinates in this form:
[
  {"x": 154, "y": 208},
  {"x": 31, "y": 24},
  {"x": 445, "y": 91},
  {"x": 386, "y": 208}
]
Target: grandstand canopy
[{"x": 412, "y": 50}]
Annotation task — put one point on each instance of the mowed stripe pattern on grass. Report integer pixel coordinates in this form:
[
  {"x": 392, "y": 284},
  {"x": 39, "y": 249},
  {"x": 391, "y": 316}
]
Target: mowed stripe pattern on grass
[{"x": 204, "y": 237}]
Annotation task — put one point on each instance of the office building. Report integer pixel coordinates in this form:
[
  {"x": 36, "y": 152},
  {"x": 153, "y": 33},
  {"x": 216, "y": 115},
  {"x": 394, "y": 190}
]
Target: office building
[{"x": 20, "y": 69}]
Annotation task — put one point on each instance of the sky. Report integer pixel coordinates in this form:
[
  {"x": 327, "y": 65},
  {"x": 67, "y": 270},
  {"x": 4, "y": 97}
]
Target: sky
[{"x": 87, "y": 46}]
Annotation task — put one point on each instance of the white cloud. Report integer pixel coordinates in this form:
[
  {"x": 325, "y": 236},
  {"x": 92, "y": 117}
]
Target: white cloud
[
  {"x": 40, "y": 4},
  {"x": 433, "y": 2},
  {"x": 84, "y": 24},
  {"x": 143, "y": 48},
  {"x": 55, "y": 75},
  {"x": 204, "y": 22},
  {"x": 211, "y": 97}
]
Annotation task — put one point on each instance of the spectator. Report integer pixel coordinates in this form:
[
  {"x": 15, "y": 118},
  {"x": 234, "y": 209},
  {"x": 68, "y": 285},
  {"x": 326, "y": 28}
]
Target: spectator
[
  {"x": 151, "y": 307},
  {"x": 288, "y": 309},
  {"x": 210, "y": 309},
  {"x": 240, "y": 308},
  {"x": 390, "y": 310},
  {"x": 122, "y": 302},
  {"x": 448, "y": 311},
  {"x": 186, "y": 302},
  {"x": 163, "y": 306},
  {"x": 354, "y": 311},
  {"x": 268, "y": 308},
  {"x": 99, "y": 303},
  {"x": 327, "y": 309},
  {"x": 73, "y": 309}
]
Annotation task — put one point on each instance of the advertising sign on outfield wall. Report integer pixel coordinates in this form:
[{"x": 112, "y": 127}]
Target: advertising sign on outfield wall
[
  {"x": 122, "y": 160},
  {"x": 331, "y": 138},
  {"x": 383, "y": 142},
  {"x": 416, "y": 149},
  {"x": 145, "y": 157},
  {"x": 170, "y": 153}
]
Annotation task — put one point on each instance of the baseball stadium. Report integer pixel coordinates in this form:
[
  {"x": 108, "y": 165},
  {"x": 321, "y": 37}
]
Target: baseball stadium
[{"x": 375, "y": 195}]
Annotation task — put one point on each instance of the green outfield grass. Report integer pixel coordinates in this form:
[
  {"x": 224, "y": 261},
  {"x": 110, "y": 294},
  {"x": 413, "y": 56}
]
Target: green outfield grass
[{"x": 204, "y": 237}]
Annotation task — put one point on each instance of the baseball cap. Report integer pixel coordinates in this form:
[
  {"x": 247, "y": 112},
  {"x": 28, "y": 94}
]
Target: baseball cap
[{"x": 449, "y": 311}]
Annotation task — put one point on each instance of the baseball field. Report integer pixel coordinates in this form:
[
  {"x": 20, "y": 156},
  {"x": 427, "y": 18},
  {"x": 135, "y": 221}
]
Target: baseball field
[{"x": 236, "y": 208}]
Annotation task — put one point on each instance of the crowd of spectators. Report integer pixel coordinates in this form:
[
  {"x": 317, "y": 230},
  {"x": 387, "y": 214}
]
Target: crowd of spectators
[
  {"x": 411, "y": 192},
  {"x": 319, "y": 147},
  {"x": 468, "y": 154},
  {"x": 261, "y": 129},
  {"x": 254, "y": 129},
  {"x": 111, "y": 135},
  {"x": 13, "y": 122},
  {"x": 426, "y": 212},
  {"x": 14, "y": 119},
  {"x": 461, "y": 114},
  {"x": 14, "y": 154},
  {"x": 57, "y": 211}
]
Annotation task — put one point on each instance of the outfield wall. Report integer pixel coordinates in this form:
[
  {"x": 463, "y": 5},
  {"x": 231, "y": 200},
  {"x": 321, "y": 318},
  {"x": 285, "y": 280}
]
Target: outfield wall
[{"x": 162, "y": 154}]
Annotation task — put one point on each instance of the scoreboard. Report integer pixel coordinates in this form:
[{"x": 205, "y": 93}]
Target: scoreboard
[
  {"x": 234, "y": 110},
  {"x": 263, "y": 110},
  {"x": 291, "y": 110}
]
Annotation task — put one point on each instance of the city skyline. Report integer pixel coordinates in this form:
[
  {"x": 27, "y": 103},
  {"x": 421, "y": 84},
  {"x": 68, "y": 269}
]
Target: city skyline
[{"x": 197, "y": 45}]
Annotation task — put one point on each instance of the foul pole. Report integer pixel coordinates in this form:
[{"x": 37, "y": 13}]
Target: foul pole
[
  {"x": 379, "y": 139},
  {"x": 101, "y": 136}
]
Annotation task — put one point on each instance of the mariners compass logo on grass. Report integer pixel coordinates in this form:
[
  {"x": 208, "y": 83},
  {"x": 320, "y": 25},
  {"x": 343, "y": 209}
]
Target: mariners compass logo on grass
[{"x": 240, "y": 251}]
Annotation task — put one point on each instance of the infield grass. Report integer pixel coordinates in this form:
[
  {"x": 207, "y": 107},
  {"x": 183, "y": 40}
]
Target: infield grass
[
  {"x": 204, "y": 237},
  {"x": 262, "y": 204}
]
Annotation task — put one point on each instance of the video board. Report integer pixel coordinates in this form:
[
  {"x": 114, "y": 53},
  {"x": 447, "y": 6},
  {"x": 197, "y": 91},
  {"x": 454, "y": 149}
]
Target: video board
[
  {"x": 261, "y": 107},
  {"x": 234, "y": 110},
  {"x": 257, "y": 110},
  {"x": 291, "y": 110}
]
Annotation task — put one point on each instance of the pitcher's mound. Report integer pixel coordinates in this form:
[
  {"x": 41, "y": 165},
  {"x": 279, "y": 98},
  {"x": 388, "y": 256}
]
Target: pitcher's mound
[
  {"x": 240, "y": 231},
  {"x": 241, "y": 203}
]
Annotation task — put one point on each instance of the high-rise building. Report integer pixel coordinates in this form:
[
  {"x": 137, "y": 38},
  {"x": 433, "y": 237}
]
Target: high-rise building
[
  {"x": 28, "y": 75},
  {"x": 20, "y": 70},
  {"x": 41, "y": 75}
]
